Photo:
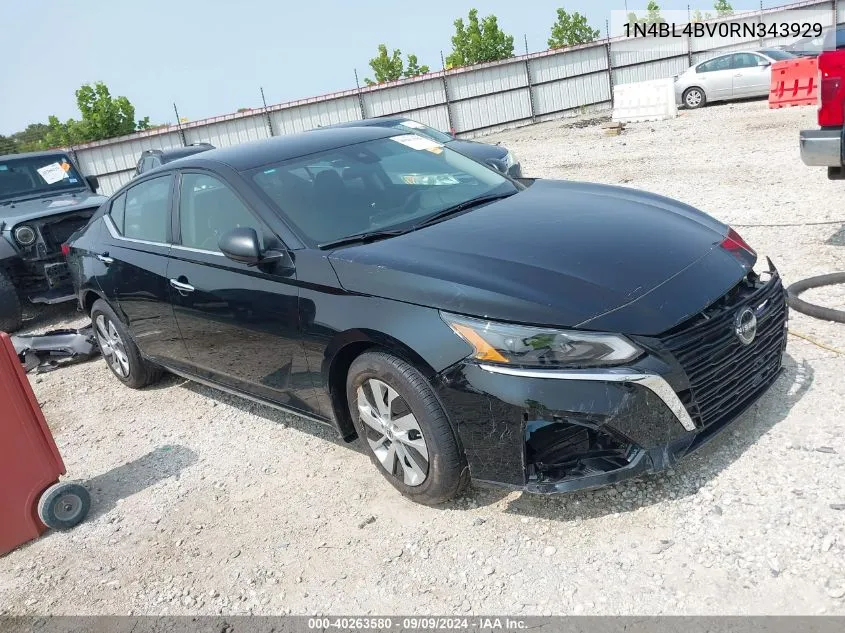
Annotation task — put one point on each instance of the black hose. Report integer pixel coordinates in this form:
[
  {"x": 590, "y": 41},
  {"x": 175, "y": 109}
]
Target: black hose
[{"x": 819, "y": 312}]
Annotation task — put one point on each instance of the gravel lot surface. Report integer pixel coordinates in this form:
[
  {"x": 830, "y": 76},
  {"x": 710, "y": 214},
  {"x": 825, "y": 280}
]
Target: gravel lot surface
[{"x": 204, "y": 503}]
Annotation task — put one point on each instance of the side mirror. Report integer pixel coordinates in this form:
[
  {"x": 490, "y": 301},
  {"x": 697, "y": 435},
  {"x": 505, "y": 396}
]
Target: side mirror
[
  {"x": 242, "y": 245},
  {"x": 93, "y": 182},
  {"x": 764, "y": 63}
]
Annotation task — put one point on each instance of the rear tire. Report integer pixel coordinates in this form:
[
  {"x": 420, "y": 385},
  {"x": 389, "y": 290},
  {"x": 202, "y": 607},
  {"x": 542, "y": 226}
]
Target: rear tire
[
  {"x": 694, "y": 97},
  {"x": 119, "y": 350},
  {"x": 11, "y": 314},
  {"x": 406, "y": 432}
]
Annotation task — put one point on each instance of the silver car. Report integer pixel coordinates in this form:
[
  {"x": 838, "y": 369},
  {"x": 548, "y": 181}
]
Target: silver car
[{"x": 731, "y": 76}]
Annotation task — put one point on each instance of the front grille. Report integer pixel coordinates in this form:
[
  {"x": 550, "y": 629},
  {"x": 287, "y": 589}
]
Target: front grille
[{"x": 726, "y": 376}]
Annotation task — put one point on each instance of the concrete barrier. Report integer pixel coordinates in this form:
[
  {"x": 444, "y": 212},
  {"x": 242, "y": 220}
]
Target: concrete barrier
[{"x": 645, "y": 101}]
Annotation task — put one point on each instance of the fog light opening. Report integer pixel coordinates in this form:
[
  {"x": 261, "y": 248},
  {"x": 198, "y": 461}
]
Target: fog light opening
[{"x": 561, "y": 450}]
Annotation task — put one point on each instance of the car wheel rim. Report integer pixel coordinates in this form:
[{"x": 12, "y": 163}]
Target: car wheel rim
[
  {"x": 111, "y": 346},
  {"x": 393, "y": 433},
  {"x": 693, "y": 98},
  {"x": 67, "y": 507}
]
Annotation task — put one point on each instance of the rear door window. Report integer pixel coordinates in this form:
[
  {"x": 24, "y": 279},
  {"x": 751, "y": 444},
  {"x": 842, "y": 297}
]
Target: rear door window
[{"x": 147, "y": 211}]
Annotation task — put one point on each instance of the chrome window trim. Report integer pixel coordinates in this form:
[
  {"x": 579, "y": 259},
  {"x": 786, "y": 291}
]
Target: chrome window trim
[
  {"x": 116, "y": 235},
  {"x": 196, "y": 250},
  {"x": 656, "y": 384}
]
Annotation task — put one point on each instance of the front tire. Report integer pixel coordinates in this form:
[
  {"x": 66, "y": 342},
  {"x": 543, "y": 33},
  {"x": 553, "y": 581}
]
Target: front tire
[
  {"x": 11, "y": 314},
  {"x": 694, "y": 97},
  {"x": 407, "y": 433},
  {"x": 119, "y": 350}
]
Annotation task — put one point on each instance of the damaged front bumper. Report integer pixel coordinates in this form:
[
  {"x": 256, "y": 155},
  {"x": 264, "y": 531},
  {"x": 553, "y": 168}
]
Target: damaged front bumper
[{"x": 554, "y": 431}]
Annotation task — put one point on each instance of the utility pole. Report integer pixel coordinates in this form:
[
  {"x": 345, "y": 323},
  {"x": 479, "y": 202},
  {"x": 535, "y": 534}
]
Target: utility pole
[
  {"x": 179, "y": 125},
  {"x": 266, "y": 114}
]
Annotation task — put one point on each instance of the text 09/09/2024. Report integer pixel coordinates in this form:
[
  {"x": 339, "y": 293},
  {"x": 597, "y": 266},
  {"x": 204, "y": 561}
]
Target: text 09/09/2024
[{"x": 723, "y": 29}]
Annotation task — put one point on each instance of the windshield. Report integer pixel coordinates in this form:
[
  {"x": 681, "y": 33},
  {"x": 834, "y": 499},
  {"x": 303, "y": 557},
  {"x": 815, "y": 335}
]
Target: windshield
[
  {"x": 31, "y": 176},
  {"x": 778, "y": 55},
  {"x": 418, "y": 128},
  {"x": 391, "y": 183}
]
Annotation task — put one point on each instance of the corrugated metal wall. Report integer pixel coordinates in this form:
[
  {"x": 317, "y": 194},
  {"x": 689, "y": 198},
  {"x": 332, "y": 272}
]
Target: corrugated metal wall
[{"x": 469, "y": 100}]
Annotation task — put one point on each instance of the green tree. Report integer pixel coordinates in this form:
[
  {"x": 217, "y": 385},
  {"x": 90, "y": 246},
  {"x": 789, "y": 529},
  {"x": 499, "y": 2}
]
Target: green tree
[
  {"x": 569, "y": 30},
  {"x": 32, "y": 138},
  {"x": 414, "y": 68},
  {"x": 478, "y": 41},
  {"x": 104, "y": 116},
  {"x": 723, "y": 8},
  {"x": 653, "y": 13},
  {"x": 391, "y": 67},
  {"x": 697, "y": 17},
  {"x": 8, "y": 145}
]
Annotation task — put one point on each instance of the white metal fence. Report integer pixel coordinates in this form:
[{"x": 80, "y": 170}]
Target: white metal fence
[{"x": 470, "y": 100}]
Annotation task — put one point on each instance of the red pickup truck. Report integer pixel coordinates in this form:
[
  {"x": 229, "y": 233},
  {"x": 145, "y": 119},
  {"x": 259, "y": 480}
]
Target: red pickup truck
[{"x": 824, "y": 147}]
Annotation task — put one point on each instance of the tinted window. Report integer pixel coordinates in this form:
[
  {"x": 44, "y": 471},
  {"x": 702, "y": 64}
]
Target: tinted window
[
  {"x": 207, "y": 210},
  {"x": 746, "y": 60},
  {"x": 720, "y": 63},
  {"x": 379, "y": 184},
  {"x": 117, "y": 212},
  {"x": 147, "y": 210}
]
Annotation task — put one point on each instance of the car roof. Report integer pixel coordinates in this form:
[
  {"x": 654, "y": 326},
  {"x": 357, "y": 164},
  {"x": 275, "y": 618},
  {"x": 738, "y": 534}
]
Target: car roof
[
  {"x": 379, "y": 121},
  {"x": 49, "y": 152},
  {"x": 254, "y": 154},
  {"x": 178, "y": 152}
]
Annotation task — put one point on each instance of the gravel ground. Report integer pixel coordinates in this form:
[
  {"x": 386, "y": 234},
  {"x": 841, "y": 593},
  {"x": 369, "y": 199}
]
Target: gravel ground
[{"x": 206, "y": 504}]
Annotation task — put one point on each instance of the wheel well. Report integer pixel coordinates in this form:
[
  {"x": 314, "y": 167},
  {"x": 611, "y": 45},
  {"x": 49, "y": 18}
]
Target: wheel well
[
  {"x": 699, "y": 88},
  {"x": 339, "y": 370},
  {"x": 337, "y": 385},
  {"x": 88, "y": 300}
]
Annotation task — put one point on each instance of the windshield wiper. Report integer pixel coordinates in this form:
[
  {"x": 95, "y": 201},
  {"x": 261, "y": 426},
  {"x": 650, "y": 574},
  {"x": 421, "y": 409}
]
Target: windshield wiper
[
  {"x": 370, "y": 236},
  {"x": 363, "y": 238},
  {"x": 463, "y": 206}
]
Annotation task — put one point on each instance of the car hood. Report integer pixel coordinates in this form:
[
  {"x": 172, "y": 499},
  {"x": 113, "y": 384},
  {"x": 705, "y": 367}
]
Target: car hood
[
  {"x": 45, "y": 206},
  {"x": 560, "y": 254},
  {"x": 478, "y": 151}
]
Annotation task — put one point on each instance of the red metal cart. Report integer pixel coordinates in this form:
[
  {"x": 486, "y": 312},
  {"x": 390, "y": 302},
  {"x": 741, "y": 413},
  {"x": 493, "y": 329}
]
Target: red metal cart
[{"x": 31, "y": 496}]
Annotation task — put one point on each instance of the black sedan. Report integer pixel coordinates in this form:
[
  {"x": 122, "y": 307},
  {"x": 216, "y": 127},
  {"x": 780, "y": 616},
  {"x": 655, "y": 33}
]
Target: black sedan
[
  {"x": 496, "y": 156},
  {"x": 542, "y": 335}
]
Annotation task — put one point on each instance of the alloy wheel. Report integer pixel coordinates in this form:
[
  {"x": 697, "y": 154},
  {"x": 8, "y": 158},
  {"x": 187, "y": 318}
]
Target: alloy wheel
[
  {"x": 693, "y": 98},
  {"x": 111, "y": 346},
  {"x": 393, "y": 433}
]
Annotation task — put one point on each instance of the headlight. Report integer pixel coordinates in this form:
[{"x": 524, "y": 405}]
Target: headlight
[
  {"x": 25, "y": 235},
  {"x": 538, "y": 347}
]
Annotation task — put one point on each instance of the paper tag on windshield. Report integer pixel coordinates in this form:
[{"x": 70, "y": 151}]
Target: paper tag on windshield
[
  {"x": 52, "y": 173},
  {"x": 413, "y": 124},
  {"x": 416, "y": 142}
]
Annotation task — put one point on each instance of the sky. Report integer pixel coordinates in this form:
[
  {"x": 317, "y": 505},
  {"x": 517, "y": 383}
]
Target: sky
[{"x": 211, "y": 57}]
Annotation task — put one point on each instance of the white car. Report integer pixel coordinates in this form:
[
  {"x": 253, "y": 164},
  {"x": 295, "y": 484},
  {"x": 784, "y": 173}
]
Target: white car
[{"x": 731, "y": 76}]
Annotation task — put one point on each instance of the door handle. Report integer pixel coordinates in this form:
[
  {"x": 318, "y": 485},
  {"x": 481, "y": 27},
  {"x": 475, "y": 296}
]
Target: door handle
[
  {"x": 105, "y": 259},
  {"x": 181, "y": 287}
]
